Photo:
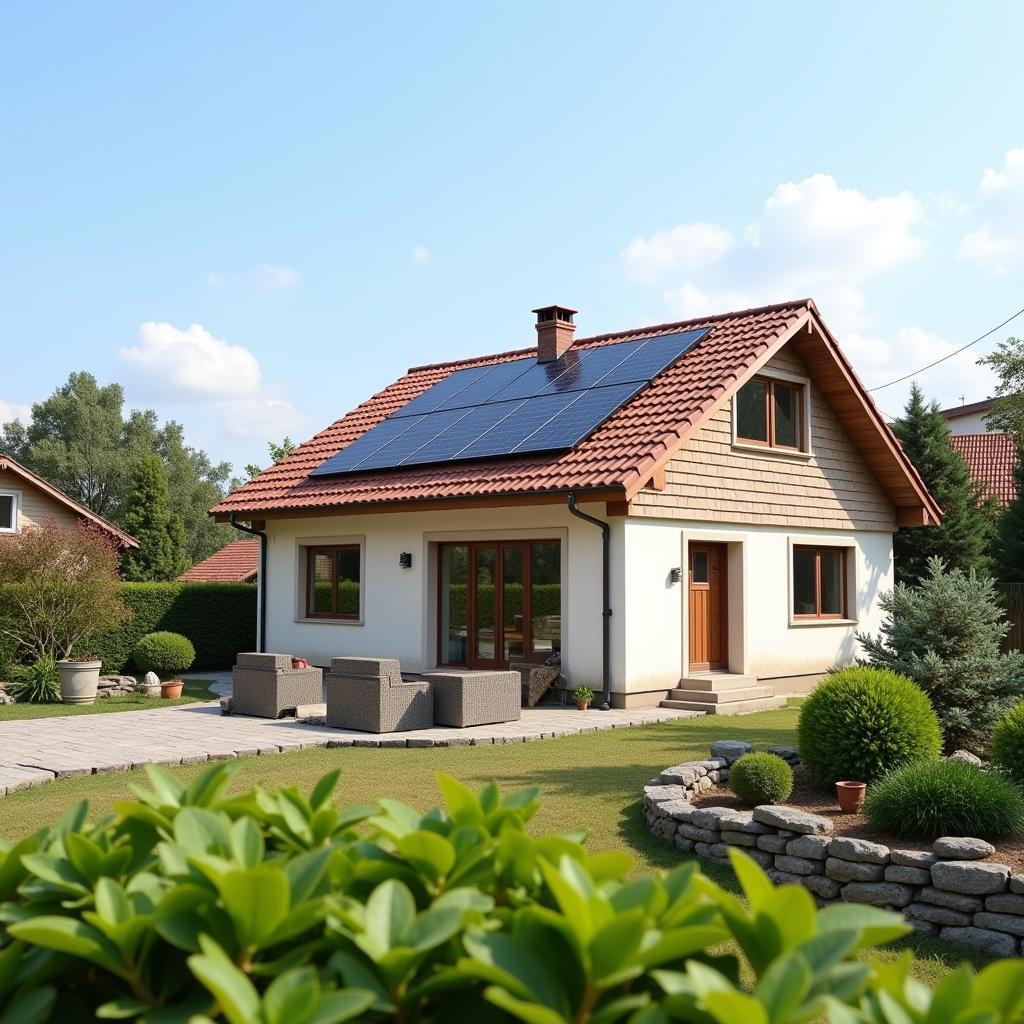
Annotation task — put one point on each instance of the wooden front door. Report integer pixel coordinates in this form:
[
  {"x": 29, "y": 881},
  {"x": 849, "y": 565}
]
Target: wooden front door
[{"x": 708, "y": 608}]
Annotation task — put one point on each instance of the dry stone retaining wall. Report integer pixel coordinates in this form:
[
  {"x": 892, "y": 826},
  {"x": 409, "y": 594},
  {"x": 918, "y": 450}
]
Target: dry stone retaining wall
[{"x": 952, "y": 891}]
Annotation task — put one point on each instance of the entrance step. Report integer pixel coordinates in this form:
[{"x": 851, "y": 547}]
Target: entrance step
[
  {"x": 716, "y": 682},
  {"x": 729, "y": 696},
  {"x": 736, "y": 707}
]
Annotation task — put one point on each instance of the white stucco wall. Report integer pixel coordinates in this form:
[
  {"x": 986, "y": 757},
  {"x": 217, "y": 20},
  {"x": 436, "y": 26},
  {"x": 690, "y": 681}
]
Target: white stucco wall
[
  {"x": 971, "y": 423},
  {"x": 763, "y": 640},
  {"x": 399, "y": 605}
]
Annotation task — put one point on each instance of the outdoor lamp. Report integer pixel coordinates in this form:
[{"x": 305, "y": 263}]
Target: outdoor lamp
[{"x": 405, "y": 559}]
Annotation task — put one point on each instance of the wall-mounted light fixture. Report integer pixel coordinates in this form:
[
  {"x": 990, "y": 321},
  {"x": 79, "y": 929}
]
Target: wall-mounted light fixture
[
  {"x": 405, "y": 559},
  {"x": 676, "y": 574}
]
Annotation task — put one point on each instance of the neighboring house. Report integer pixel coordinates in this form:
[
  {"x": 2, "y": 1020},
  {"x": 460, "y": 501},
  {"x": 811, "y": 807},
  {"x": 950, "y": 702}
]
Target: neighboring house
[
  {"x": 28, "y": 500},
  {"x": 238, "y": 562},
  {"x": 746, "y": 484},
  {"x": 991, "y": 460},
  {"x": 969, "y": 419}
]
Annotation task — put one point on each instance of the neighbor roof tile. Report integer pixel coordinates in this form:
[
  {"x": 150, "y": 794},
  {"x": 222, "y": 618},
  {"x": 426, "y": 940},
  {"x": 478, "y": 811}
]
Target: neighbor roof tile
[{"x": 991, "y": 459}]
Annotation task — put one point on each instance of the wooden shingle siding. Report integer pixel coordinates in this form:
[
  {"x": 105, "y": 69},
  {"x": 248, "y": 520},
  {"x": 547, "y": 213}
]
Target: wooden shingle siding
[
  {"x": 35, "y": 507},
  {"x": 710, "y": 480}
]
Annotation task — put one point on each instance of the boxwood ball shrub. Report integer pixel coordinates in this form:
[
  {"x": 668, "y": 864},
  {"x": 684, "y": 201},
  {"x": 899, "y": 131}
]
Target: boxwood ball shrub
[
  {"x": 862, "y": 722},
  {"x": 1008, "y": 742},
  {"x": 166, "y": 654},
  {"x": 761, "y": 779},
  {"x": 193, "y": 904},
  {"x": 928, "y": 799}
]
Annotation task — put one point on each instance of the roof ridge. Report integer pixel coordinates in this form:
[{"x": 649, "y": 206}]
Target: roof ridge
[{"x": 629, "y": 332}]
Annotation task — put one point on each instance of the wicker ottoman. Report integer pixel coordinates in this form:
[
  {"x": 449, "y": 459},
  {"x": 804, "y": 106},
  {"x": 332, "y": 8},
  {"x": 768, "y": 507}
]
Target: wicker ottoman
[
  {"x": 265, "y": 685},
  {"x": 369, "y": 694},
  {"x": 475, "y": 698}
]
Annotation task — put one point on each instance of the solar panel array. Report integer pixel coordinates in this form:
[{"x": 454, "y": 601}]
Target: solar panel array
[{"x": 512, "y": 408}]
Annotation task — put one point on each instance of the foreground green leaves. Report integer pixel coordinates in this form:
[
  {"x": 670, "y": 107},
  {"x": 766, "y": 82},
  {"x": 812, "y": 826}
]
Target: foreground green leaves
[{"x": 192, "y": 906}]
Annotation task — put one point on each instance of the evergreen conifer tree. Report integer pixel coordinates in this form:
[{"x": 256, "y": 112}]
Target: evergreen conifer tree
[
  {"x": 1009, "y": 544},
  {"x": 159, "y": 555},
  {"x": 963, "y": 539}
]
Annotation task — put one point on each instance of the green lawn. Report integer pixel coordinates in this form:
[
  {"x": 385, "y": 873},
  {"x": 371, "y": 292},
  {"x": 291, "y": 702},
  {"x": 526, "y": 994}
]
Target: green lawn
[
  {"x": 194, "y": 690},
  {"x": 590, "y": 782}
]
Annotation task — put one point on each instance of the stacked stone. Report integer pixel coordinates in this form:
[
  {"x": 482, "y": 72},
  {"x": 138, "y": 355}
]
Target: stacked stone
[{"x": 950, "y": 891}]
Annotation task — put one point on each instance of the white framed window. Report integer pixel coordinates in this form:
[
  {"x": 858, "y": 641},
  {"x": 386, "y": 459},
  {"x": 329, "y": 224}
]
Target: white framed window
[{"x": 9, "y": 502}]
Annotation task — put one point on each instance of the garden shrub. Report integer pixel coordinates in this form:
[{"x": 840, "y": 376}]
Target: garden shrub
[
  {"x": 37, "y": 683},
  {"x": 1008, "y": 742},
  {"x": 280, "y": 908},
  {"x": 166, "y": 654},
  {"x": 861, "y": 722},
  {"x": 946, "y": 635},
  {"x": 761, "y": 779},
  {"x": 219, "y": 619},
  {"x": 928, "y": 799}
]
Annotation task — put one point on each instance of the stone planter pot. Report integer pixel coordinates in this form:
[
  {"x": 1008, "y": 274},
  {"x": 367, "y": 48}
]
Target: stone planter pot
[
  {"x": 851, "y": 796},
  {"x": 172, "y": 689},
  {"x": 79, "y": 681}
]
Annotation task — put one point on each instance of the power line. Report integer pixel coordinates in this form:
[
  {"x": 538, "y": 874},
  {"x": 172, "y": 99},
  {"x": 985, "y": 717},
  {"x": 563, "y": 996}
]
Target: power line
[{"x": 963, "y": 348}]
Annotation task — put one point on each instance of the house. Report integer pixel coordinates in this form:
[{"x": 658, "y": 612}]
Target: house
[
  {"x": 26, "y": 499},
  {"x": 968, "y": 419},
  {"x": 699, "y": 511},
  {"x": 991, "y": 460},
  {"x": 236, "y": 562}
]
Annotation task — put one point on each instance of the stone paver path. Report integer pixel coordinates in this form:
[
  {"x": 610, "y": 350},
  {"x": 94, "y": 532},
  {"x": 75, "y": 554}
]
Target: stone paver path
[{"x": 38, "y": 750}]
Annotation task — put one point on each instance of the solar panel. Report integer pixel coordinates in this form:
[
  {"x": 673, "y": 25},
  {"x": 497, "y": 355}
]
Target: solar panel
[{"x": 517, "y": 407}]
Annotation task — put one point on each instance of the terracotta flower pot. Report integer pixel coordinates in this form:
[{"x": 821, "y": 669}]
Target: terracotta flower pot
[
  {"x": 851, "y": 796},
  {"x": 582, "y": 705},
  {"x": 171, "y": 689}
]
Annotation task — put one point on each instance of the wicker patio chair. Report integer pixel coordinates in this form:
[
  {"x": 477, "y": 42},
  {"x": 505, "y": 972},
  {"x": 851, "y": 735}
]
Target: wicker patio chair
[
  {"x": 266, "y": 685},
  {"x": 369, "y": 694},
  {"x": 475, "y": 698}
]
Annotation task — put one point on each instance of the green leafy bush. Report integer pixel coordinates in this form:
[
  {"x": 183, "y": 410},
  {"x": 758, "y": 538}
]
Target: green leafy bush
[
  {"x": 37, "y": 683},
  {"x": 861, "y": 722},
  {"x": 1008, "y": 742},
  {"x": 928, "y": 799},
  {"x": 219, "y": 619},
  {"x": 761, "y": 779},
  {"x": 947, "y": 635},
  {"x": 191, "y": 904},
  {"x": 583, "y": 693},
  {"x": 166, "y": 654}
]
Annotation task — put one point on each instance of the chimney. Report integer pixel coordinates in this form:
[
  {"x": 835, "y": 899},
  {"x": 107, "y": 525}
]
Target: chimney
[{"x": 554, "y": 332}]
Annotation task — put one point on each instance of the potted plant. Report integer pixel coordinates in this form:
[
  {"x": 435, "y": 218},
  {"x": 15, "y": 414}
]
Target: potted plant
[
  {"x": 583, "y": 695},
  {"x": 168, "y": 655},
  {"x": 851, "y": 796}
]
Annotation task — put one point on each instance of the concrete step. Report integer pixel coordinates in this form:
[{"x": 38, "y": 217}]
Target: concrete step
[
  {"x": 723, "y": 696},
  {"x": 737, "y": 707},
  {"x": 717, "y": 681}
]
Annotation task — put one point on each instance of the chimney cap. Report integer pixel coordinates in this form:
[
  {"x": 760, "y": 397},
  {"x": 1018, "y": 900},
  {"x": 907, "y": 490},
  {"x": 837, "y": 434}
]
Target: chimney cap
[{"x": 545, "y": 314}]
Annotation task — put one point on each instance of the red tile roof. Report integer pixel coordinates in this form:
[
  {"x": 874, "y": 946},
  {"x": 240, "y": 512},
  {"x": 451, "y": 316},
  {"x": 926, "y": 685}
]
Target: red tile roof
[
  {"x": 617, "y": 457},
  {"x": 236, "y": 563},
  {"x": 991, "y": 459}
]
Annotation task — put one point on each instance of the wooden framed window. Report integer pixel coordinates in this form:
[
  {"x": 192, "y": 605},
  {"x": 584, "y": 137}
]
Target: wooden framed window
[
  {"x": 819, "y": 582},
  {"x": 333, "y": 585},
  {"x": 769, "y": 412}
]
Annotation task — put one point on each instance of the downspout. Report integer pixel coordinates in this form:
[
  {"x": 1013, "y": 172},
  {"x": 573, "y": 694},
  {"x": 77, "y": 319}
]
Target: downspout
[
  {"x": 262, "y": 639},
  {"x": 606, "y": 598}
]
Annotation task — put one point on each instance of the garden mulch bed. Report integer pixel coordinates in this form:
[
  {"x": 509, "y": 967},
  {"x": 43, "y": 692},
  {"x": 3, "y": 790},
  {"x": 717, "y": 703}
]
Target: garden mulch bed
[{"x": 809, "y": 795}]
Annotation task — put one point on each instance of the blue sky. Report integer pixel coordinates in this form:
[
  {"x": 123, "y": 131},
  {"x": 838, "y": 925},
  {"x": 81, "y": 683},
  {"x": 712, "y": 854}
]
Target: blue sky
[{"x": 256, "y": 215}]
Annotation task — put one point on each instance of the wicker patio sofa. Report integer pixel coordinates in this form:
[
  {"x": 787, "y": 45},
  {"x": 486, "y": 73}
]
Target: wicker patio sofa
[
  {"x": 369, "y": 694},
  {"x": 266, "y": 685},
  {"x": 475, "y": 698}
]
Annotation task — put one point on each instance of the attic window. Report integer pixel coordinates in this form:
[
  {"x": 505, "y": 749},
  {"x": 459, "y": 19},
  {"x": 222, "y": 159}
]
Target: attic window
[
  {"x": 8, "y": 512},
  {"x": 769, "y": 413}
]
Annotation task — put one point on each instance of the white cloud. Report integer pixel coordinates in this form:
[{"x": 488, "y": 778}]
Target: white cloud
[
  {"x": 266, "y": 277},
  {"x": 421, "y": 255},
  {"x": 814, "y": 238},
  {"x": 192, "y": 363},
  {"x": 261, "y": 418},
  {"x": 997, "y": 241},
  {"x": 14, "y": 411}
]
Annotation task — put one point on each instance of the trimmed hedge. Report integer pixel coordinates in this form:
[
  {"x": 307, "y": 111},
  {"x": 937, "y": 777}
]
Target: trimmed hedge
[{"x": 219, "y": 619}]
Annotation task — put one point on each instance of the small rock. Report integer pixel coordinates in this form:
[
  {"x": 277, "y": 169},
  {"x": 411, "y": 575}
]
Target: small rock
[
  {"x": 227, "y": 705},
  {"x": 678, "y": 810},
  {"x": 878, "y": 894},
  {"x": 5, "y": 697},
  {"x": 851, "y": 871},
  {"x": 798, "y": 865},
  {"x": 907, "y": 875},
  {"x": 938, "y": 898},
  {"x": 970, "y": 877},
  {"x": 698, "y": 835},
  {"x": 744, "y": 839},
  {"x": 730, "y": 749},
  {"x": 924, "y": 927},
  {"x": 826, "y": 888},
  {"x": 798, "y": 822},
  {"x": 773, "y": 844},
  {"x": 151, "y": 679},
  {"x": 1000, "y": 922},
  {"x": 786, "y": 753},
  {"x": 681, "y": 775},
  {"x": 784, "y": 877},
  {"x": 709, "y": 817},
  {"x": 763, "y": 859},
  {"x": 913, "y": 858},
  {"x": 686, "y": 845},
  {"x": 938, "y": 915},
  {"x": 719, "y": 851},
  {"x": 813, "y": 847},
  {"x": 1005, "y": 903},
  {"x": 741, "y": 821},
  {"x": 660, "y": 794},
  {"x": 993, "y": 943},
  {"x": 966, "y": 757},
  {"x": 859, "y": 850},
  {"x": 962, "y": 848},
  {"x": 1017, "y": 883}
]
